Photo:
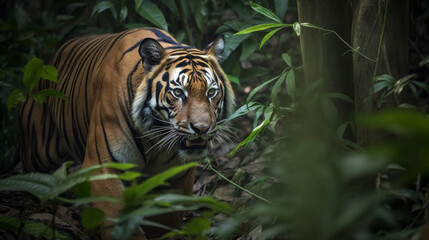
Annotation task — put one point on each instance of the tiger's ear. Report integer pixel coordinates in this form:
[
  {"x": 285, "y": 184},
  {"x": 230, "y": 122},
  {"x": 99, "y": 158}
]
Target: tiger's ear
[
  {"x": 216, "y": 47},
  {"x": 151, "y": 53}
]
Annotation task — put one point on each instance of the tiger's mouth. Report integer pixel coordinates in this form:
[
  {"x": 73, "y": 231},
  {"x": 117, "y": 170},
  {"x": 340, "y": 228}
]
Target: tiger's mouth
[{"x": 197, "y": 143}]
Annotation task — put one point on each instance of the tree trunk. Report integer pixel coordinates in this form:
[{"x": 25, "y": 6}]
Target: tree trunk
[
  {"x": 380, "y": 29},
  {"x": 323, "y": 54}
]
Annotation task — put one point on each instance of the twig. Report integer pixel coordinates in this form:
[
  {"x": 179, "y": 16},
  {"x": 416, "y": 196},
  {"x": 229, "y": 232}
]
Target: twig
[{"x": 235, "y": 184}]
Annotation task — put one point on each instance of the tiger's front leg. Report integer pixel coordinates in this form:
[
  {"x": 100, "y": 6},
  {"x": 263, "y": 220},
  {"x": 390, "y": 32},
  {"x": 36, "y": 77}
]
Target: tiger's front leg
[{"x": 106, "y": 141}]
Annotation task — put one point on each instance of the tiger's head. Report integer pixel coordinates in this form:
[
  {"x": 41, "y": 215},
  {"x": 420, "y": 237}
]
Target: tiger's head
[{"x": 183, "y": 97}]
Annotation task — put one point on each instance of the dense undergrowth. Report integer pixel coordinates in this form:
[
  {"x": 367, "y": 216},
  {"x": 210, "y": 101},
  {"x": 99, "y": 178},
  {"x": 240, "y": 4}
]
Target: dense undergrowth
[{"x": 291, "y": 174}]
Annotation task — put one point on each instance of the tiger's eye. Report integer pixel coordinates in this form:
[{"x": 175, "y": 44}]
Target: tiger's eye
[
  {"x": 211, "y": 92},
  {"x": 178, "y": 92}
]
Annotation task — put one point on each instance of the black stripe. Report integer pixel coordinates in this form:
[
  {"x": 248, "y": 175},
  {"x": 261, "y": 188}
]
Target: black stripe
[
  {"x": 106, "y": 142},
  {"x": 130, "y": 49}
]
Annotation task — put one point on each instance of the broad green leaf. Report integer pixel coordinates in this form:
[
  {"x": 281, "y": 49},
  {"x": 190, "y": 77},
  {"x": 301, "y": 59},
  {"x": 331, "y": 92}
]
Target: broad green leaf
[
  {"x": 297, "y": 28},
  {"x": 268, "y": 36},
  {"x": 37, "y": 184},
  {"x": 49, "y": 73},
  {"x": 247, "y": 48},
  {"x": 16, "y": 97},
  {"x": 82, "y": 175},
  {"x": 32, "y": 72},
  {"x": 82, "y": 190},
  {"x": 252, "y": 135},
  {"x": 92, "y": 217},
  {"x": 265, "y": 12},
  {"x": 138, "y": 3},
  {"x": 286, "y": 57},
  {"x": 233, "y": 79},
  {"x": 196, "y": 226},
  {"x": 40, "y": 97},
  {"x": 232, "y": 42},
  {"x": 378, "y": 86},
  {"x": 103, "y": 6},
  {"x": 134, "y": 193},
  {"x": 256, "y": 89},
  {"x": 281, "y": 7},
  {"x": 35, "y": 229},
  {"x": 290, "y": 83},
  {"x": 153, "y": 14},
  {"x": 171, "y": 5},
  {"x": 385, "y": 77},
  {"x": 262, "y": 27}
]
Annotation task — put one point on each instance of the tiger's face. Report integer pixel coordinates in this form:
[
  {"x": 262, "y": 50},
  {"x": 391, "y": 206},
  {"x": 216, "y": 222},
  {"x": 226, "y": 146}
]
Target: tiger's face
[{"x": 184, "y": 96}]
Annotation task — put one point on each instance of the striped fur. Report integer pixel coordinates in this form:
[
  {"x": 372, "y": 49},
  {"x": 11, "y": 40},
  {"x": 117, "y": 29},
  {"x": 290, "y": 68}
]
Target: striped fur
[{"x": 138, "y": 96}]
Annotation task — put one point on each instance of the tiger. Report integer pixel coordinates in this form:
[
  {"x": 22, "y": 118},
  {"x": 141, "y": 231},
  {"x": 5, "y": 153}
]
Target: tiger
[{"x": 138, "y": 96}]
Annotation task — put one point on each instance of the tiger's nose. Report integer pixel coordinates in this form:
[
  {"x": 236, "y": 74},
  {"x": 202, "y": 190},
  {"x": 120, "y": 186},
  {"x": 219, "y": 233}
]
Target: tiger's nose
[{"x": 199, "y": 128}]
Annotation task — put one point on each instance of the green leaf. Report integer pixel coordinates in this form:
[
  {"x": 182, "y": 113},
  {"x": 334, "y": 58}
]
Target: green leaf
[
  {"x": 3, "y": 84},
  {"x": 286, "y": 57},
  {"x": 252, "y": 135},
  {"x": 243, "y": 110},
  {"x": 196, "y": 226},
  {"x": 247, "y": 48},
  {"x": 125, "y": 229},
  {"x": 265, "y": 12},
  {"x": 49, "y": 73},
  {"x": 340, "y": 96},
  {"x": 194, "y": 199},
  {"x": 153, "y": 14},
  {"x": 281, "y": 7},
  {"x": 252, "y": 72},
  {"x": 87, "y": 200},
  {"x": 268, "y": 36},
  {"x": 297, "y": 28},
  {"x": 255, "y": 90},
  {"x": 138, "y": 3},
  {"x": 400, "y": 121},
  {"x": 32, "y": 73},
  {"x": 82, "y": 190},
  {"x": 40, "y": 97},
  {"x": 341, "y": 129},
  {"x": 233, "y": 79},
  {"x": 37, "y": 184},
  {"x": 134, "y": 193},
  {"x": 262, "y": 27},
  {"x": 103, "y": 6},
  {"x": 424, "y": 61},
  {"x": 123, "y": 14},
  {"x": 290, "y": 83},
  {"x": 16, "y": 97},
  {"x": 92, "y": 217},
  {"x": 37, "y": 230},
  {"x": 276, "y": 89}
]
